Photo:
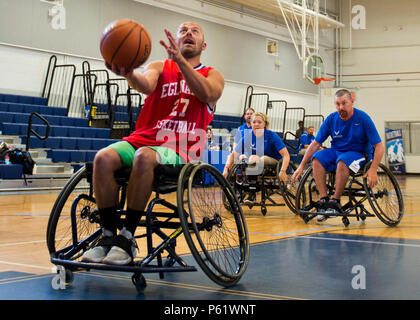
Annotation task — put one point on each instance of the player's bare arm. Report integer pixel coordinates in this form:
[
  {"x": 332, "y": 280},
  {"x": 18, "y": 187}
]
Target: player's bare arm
[
  {"x": 146, "y": 81},
  {"x": 372, "y": 173},
  {"x": 313, "y": 147},
  {"x": 286, "y": 159},
  {"x": 208, "y": 89}
]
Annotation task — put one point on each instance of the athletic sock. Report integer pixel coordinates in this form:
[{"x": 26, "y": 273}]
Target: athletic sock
[
  {"x": 132, "y": 219},
  {"x": 109, "y": 219}
]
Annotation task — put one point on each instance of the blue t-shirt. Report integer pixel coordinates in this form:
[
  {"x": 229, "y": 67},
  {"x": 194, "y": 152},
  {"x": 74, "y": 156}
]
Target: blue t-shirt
[
  {"x": 269, "y": 144},
  {"x": 240, "y": 132},
  {"x": 356, "y": 134},
  {"x": 305, "y": 139}
]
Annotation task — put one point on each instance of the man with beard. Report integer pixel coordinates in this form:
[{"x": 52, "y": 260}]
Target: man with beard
[
  {"x": 171, "y": 129},
  {"x": 353, "y": 135},
  {"x": 239, "y": 135}
]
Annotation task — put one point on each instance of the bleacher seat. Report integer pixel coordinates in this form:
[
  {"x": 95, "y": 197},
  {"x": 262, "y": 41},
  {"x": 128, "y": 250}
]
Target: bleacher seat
[
  {"x": 11, "y": 171},
  {"x": 22, "y": 99},
  {"x": 70, "y": 139},
  {"x": 225, "y": 122}
]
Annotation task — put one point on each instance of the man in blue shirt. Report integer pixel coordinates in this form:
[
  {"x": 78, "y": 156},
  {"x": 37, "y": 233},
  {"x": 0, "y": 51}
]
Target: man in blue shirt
[
  {"x": 211, "y": 144},
  {"x": 353, "y": 134},
  {"x": 239, "y": 135},
  {"x": 305, "y": 140},
  {"x": 245, "y": 126}
]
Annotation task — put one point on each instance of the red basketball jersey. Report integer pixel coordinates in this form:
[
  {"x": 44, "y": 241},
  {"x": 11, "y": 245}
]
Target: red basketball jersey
[{"x": 172, "y": 116}]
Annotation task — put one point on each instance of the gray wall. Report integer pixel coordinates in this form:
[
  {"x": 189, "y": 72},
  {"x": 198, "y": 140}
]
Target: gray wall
[{"x": 238, "y": 54}]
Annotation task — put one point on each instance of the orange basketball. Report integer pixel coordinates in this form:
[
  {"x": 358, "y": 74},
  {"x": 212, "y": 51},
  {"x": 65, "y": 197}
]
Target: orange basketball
[{"x": 125, "y": 43}]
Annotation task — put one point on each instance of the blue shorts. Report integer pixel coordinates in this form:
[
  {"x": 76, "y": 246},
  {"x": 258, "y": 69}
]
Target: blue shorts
[{"x": 329, "y": 159}]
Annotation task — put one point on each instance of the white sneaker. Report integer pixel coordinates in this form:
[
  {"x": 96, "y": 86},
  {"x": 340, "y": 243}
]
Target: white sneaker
[
  {"x": 124, "y": 250},
  {"x": 321, "y": 217},
  {"x": 98, "y": 253}
]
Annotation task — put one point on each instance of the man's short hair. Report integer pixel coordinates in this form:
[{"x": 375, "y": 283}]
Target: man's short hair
[{"x": 343, "y": 92}]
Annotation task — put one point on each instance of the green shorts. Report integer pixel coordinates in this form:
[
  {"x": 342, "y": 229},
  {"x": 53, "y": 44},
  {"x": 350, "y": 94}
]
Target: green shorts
[{"x": 126, "y": 152}]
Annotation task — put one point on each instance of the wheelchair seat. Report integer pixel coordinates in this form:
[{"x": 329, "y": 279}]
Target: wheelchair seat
[{"x": 165, "y": 179}]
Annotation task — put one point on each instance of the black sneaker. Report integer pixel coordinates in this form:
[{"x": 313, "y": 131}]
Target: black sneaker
[
  {"x": 322, "y": 206},
  {"x": 334, "y": 206}
]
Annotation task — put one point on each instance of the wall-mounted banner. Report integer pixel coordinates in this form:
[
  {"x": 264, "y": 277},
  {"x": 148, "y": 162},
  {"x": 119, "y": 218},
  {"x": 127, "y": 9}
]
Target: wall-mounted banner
[{"x": 395, "y": 150}]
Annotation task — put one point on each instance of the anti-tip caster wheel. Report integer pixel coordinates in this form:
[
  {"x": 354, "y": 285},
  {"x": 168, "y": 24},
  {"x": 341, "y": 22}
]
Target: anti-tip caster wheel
[
  {"x": 263, "y": 210},
  {"x": 305, "y": 218},
  {"x": 62, "y": 279},
  {"x": 139, "y": 282},
  {"x": 346, "y": 221}
]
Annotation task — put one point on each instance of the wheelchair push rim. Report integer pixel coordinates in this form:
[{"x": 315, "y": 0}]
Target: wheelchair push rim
[
  {"x": 218, "y": 237},
  {"x": 386, "y": 197},
  {"x": 73, "y": 222},
  {"x": 290, "y": 189}
]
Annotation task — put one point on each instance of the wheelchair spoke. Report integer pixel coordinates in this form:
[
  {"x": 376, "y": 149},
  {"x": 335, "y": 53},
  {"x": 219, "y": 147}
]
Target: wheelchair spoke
[
  {"x": 74, "y": 218},
  {"x": 386, "y": 198},
  {"x": 219, "y": 239}
]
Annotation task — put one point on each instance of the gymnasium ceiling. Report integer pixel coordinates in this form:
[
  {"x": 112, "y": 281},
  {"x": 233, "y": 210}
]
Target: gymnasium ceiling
[{"x": 270, "y": 8}]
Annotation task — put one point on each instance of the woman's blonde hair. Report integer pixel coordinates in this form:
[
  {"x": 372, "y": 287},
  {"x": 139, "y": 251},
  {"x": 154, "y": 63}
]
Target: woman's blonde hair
[{"x": 263, "y": 116}]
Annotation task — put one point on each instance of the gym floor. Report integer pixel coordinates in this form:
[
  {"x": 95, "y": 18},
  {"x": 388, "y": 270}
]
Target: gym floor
[{"x": 289, "y": 260}]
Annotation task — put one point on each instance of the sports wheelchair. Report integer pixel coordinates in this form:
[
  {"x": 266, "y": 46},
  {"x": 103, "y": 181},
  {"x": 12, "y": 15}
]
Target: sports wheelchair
[
  {"x": 385, "y": 200},
  {"x": 268, "y": 183},
  {"x": 218, "y": 238}
]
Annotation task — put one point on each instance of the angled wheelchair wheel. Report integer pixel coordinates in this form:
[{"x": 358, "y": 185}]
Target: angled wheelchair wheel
[
  {"x": 74, "y": 224},
  {"x": 216, "y": 236},
  {"x": 386, "y": 197},
  {"x": 74, "y": 215},
  {"x": 237, "y": 179},
  {"x": 289, "y": 191},
  {"x": 307, "y": 195}
]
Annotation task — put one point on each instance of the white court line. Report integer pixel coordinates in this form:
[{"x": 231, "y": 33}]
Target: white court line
[
  {"x": 25, "y": 265},
  {"x": 21, "y": 243},
  {"x": 362, "y": 241}
]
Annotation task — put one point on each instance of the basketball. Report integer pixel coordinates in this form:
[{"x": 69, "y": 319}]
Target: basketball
[{"x": 125, "y": 43}]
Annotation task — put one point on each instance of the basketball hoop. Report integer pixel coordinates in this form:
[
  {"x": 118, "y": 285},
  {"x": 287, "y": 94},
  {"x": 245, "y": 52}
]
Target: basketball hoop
[{"x": 318, "y": 80}]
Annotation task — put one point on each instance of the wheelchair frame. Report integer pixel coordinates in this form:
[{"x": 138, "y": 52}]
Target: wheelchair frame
[
  {"x": 357, "y": 191},
  {"x": 269, "y": 185},
  {"x": 165, "y": 182}
]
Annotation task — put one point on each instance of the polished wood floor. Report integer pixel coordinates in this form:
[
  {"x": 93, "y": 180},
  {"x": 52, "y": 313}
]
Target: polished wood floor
[{"x": 24, "y": 217}]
